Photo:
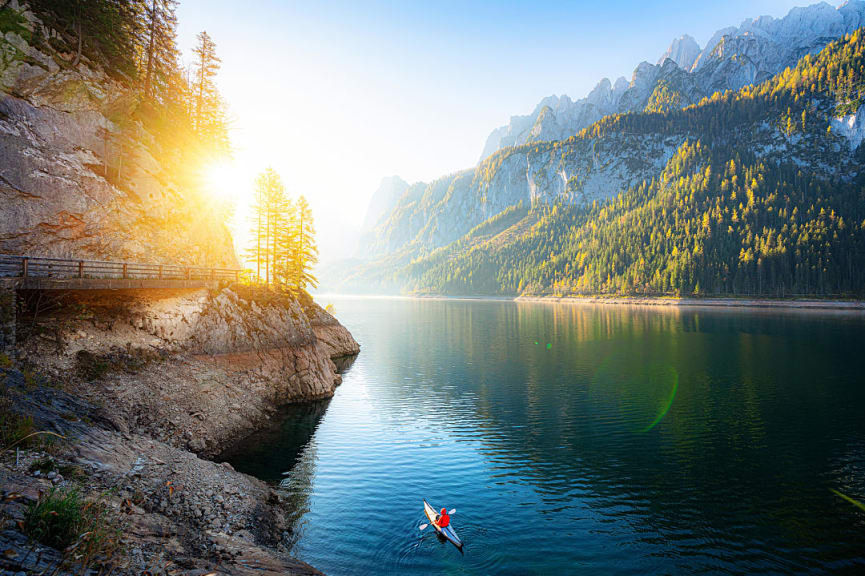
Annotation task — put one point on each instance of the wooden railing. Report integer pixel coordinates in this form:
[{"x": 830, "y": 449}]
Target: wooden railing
[{"x": 63, "y": 268}]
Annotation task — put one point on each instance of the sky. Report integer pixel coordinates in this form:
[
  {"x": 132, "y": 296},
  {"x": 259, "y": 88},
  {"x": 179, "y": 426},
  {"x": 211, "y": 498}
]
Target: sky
[{"x": 335, "y": 95}]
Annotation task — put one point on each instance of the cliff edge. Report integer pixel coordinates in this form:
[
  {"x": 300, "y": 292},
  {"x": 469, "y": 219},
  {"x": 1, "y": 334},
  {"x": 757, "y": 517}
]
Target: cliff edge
[{"x": 147, "y": 388}]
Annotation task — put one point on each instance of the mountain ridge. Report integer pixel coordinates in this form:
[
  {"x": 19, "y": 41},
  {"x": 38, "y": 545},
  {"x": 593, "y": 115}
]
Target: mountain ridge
[
  {"x": 782, "y": 41},
  {"x": 789, "y": 145},
  {"x": 450, "y": 206}
]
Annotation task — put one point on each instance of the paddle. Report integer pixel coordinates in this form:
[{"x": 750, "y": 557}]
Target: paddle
[{"x": 425, "y": 526}]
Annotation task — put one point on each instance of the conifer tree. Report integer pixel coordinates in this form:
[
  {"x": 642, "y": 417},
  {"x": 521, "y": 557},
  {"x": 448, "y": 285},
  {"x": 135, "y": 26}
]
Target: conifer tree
[
  {"x": 209, "y": 116},
  {"x": 160, "y": 49},
  {"x": 284, "y": 251}
]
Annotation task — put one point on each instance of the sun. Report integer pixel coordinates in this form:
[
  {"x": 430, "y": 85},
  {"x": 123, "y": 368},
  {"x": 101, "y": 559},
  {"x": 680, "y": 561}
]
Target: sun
[{"x": 224, "y": 181}]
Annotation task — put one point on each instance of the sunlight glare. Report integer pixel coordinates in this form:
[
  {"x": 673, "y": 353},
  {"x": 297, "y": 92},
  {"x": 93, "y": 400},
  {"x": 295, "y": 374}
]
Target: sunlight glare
[{"x": 225, "y": 182}]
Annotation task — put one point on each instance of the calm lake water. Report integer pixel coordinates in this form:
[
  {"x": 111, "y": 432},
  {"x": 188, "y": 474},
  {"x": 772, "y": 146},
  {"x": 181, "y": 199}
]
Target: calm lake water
[{"x": 581, "y": 439}]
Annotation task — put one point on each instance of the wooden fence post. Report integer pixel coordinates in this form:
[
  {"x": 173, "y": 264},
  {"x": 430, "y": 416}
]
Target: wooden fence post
[
  {"x": 237, "y": 276},
  {"x": 81, "y": 269},
  {"x": 25, "y": 267},
  {"x": 187, "y": 273},
  {"x": 124, "y": 270},
  {"x": 160, "y": 271}
]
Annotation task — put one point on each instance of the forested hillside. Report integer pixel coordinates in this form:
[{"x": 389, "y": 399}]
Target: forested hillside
[{"x": 764, "y": 195}]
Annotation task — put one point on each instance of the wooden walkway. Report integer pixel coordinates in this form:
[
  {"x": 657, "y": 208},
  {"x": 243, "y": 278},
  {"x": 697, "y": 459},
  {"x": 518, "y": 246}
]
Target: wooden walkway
[{"x": 36, "y": 273}]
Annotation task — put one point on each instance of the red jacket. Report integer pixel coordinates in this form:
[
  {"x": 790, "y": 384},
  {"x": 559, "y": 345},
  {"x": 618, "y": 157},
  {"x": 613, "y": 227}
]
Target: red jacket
[{"x": 444, "y": 520}]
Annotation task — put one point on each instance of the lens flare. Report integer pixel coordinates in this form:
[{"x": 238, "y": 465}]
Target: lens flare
[
  {"x": 852, "y": 501},
  {"x": 635, "y": 386},
  {"x": 666, "y": 407}
]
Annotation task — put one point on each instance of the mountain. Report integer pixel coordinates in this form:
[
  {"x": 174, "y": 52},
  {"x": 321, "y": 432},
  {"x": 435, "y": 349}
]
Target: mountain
[
  {"x": 530, "y": 170},
  {"x": 733, "y": 58},
  {"x": 684, "y": 51},
  {"x": 755, "y": 191},
  {"x": 383, "y": 200}
]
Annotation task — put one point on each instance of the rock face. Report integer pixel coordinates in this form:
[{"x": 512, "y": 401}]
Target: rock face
[
  {"x": 383, "y": 200},
  {"x": 194, "y": 369},
  {"x": 684, "y": 51},
  {"x": 733, "y": 58},
  {"x": 851, "y": 127},
  {"x": 76, "y": 179}
]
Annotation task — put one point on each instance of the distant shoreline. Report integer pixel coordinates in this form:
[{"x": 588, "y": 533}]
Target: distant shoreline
[
  {"x": 720, "y": 302},
  {"x": 658, "y": 301}
]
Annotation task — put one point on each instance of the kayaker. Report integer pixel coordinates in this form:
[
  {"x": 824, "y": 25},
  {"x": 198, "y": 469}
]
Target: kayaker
[{"x": 442, "y": 519}]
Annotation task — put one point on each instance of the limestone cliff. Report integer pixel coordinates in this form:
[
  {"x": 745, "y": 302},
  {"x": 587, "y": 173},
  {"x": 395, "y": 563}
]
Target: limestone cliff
[{"x": 79, "y": 175}]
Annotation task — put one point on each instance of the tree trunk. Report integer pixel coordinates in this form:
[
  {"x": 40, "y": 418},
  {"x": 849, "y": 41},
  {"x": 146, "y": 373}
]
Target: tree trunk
[{"x": 78, "y": 54}]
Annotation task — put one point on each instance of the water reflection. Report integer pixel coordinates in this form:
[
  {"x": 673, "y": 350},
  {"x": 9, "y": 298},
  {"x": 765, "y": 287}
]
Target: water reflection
[{"x": 626, "y": 440}]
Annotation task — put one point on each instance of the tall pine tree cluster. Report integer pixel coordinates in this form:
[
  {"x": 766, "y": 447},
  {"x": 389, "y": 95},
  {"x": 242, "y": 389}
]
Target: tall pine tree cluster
[{"x": 284, "y": 249}]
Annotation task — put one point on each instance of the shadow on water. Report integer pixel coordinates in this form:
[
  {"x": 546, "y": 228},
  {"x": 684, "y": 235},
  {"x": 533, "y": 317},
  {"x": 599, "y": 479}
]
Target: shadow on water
[
  {"x": 343, "y": 363},
  {"x": 269, "y": 453}
]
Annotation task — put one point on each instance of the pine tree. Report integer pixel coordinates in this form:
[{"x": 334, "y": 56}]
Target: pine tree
[
  {"x": 209, "y": 115},
  {"x": 284, "y": 235},
  {"x": 160, "y": 50},
  {"x": 306, "y": 251}
]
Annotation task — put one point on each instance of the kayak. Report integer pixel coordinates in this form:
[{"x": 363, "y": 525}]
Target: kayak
[{"x": 448, "y": 531}]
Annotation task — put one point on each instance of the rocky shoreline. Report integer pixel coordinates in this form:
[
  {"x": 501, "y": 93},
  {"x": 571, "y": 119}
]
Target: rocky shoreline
[{"x": 147, "y": 390}]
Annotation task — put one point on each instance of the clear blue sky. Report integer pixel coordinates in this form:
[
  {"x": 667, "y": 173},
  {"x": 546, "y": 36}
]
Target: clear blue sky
[{"x": 336, "y": 95}]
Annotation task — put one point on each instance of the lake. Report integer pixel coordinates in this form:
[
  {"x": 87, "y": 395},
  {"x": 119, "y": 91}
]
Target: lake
[{"x": 580, "y": 439}]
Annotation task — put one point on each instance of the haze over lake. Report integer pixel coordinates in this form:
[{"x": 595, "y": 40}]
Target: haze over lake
[{"x": 580, "y": 438}]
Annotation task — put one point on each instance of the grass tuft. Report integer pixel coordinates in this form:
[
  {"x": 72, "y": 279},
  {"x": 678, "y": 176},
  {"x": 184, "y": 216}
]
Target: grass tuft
[
  {"x": 14, "y": 426},
  {"x": 44, "y": 465},
  {"x": 83, "y": 530}
]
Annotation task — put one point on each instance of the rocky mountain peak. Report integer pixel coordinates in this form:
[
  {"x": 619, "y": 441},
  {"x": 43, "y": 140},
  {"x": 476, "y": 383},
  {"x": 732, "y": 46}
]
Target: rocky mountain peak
[
  {"x": 602, "y": 94},
  {"x": 683, "y": 51},
  {"x": 621, "y": 84},
  {"x": 384, "y": 199},
  {"x": 733, "y": 57}
]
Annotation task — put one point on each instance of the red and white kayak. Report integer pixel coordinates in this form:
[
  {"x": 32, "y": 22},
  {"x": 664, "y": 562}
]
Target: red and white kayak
[{"x": 448, "y": 531}]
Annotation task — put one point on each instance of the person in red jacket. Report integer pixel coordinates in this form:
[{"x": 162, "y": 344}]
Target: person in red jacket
[{"x": 442, "y": 520}]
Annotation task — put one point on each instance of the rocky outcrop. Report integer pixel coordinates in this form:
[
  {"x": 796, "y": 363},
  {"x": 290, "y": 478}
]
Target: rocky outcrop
[
  {"x": 78, "y": 176},
  {"x": 143, "y": 386},
  {"x": 195, "y": 369},
  {"x": 171, "y": 509}
]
